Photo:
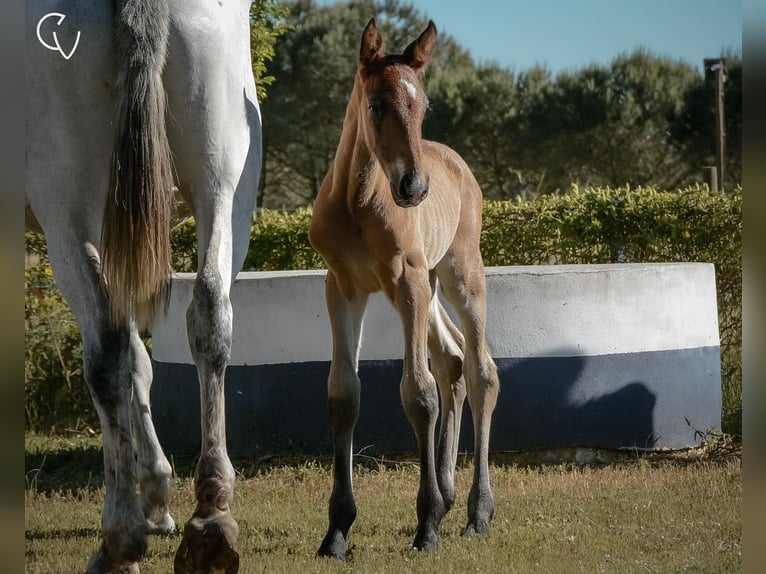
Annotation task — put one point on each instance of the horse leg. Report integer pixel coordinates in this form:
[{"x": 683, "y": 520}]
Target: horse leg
[
  {"x": 419, "y": 395},
  {"x": 215, "y": 135},
  {"x": 210, "y": 534},
  {"x": 445, "y": 342},
  {"x": 107, "y": 372},
  {"x": 343, "y": 388},
  {"x": 223, "y": 216},
  {"x": 154, "y": 471},
  {"x": 465, "y": 288}
]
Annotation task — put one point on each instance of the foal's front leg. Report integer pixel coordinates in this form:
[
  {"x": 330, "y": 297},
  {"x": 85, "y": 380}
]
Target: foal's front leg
[
  {"x": 419, "y": 396},
  {"x": 343, "y": 389}
]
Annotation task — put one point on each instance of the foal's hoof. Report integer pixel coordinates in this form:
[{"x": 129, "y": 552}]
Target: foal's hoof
[
  {"x": 208, "y": 546},
  {"x": 334, "y": 545},
  {"x": 481, "y": 511}
]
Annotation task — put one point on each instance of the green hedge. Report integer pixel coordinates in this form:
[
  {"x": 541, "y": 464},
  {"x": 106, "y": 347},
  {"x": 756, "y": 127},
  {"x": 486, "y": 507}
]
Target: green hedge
[
  {"x": 278, "y": 241},
  {"x": 585, "y": 226},
  {"x": 642, "y": 225},
  {"x": 55, "y": 397}
]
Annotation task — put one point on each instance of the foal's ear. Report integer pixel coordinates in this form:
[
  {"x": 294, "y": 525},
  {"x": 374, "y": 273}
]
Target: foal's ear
[
  {"x": 372, "y": 45},
  {"x": 417, "y": 54}
]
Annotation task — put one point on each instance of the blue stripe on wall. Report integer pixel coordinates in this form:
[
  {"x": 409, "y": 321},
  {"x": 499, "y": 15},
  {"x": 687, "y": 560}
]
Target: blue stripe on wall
[{"x": 630, "y": 400}]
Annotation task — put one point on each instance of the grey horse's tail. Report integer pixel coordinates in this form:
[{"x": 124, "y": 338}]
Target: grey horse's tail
[{"x": 135, "y": 237}]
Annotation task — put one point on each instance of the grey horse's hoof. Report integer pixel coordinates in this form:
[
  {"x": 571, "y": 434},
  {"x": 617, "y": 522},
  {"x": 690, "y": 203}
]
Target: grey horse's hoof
[
  {"x": 161, "y": 526},
  {"x": 130, "y": 552},
  {"x": 208, "y": 545}
]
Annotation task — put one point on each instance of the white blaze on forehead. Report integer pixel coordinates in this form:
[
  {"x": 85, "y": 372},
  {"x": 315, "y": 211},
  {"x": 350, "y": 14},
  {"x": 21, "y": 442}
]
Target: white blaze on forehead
[{"x": 411, "y": 89}]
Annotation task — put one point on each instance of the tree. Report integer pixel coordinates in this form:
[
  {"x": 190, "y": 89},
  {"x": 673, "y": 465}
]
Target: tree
[
  {"x": 267, "y": 24},
  {"x": 474, "y": 111},
  {"x": 610, "y": 125}
]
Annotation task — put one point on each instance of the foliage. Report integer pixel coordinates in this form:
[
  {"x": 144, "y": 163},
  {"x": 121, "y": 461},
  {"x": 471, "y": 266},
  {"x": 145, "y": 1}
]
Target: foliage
[
  {"x": 280, "y": 241},
  {"x": 590, "y": 226},
  {"x": 55, "y": 397},
  {"x": 608, "y": 125},
  {"x": 476, "y": 111},
  {"x": 266, "y": 26}
]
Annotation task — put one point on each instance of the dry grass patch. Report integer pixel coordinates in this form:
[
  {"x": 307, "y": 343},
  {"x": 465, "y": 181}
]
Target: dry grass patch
[{"x": 645, "y": 514}]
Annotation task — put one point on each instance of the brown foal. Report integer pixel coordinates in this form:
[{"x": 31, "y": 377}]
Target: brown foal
[{"x": 397, "y": 213}]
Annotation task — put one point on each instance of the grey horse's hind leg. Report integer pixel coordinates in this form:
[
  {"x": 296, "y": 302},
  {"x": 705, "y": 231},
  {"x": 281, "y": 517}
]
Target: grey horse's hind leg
[
  {"x": 106, "y": 360},
  {"x": 223, "y": 231},
  {"x": 107, "y": 372},
  {"x": 445, "y": 342},
  {"x": 215, "y": 135},
  {"x": 154, "y": 471},
  {"x": 343, "y": 388}
]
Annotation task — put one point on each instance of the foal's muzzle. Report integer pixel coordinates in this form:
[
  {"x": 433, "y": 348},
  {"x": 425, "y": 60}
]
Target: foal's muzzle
[{"x": 413, "y": 189}]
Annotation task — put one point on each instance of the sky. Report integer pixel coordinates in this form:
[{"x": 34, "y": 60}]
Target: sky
[{"x": 570, "y": 34}]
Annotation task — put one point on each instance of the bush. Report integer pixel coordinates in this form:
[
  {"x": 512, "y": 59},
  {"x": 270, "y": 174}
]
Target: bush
[
  {"x": 586, "y": 226},
  {"x": 642, "y": 225},
  {"x": 56, "y": 399},
  {"x": 281, "y": 241}
]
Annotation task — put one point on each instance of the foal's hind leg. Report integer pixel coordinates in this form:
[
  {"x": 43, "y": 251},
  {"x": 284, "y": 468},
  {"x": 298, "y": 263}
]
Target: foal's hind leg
[
  {"x": 464, "y": 286},
  {"x": 445, "y": 342},
  {"x": 343, "y": 389},
  {"x": 154, "y": 471}
]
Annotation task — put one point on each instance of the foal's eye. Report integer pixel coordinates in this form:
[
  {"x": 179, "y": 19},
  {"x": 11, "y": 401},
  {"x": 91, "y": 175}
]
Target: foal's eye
[{"x": 375, "y": 109}]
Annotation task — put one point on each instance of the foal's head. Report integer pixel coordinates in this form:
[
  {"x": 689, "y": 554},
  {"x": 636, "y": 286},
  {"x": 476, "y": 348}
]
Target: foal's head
[{"x": 393, "y": 108}]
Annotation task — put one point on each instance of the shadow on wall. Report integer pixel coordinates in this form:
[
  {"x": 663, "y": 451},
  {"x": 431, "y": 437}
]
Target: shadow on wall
[
  {"x": 544, "y": 402},
  {"x": 557, "y": 401}
]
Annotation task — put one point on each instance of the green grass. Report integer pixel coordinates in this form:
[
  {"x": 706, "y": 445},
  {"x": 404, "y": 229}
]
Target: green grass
[{"x": 650, "y": 513}]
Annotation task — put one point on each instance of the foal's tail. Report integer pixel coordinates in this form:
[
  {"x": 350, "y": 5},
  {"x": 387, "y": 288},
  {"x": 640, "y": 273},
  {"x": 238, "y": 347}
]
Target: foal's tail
[{"x": 135, "y": 237}]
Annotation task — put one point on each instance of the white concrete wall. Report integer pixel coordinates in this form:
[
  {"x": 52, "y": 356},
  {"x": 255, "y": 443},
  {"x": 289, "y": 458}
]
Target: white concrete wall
[{"x": 533, "y": 311}]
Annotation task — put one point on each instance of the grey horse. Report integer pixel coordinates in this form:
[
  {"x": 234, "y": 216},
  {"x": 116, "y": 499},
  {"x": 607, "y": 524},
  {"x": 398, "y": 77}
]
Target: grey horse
[{"x": 127, "y": 100}]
